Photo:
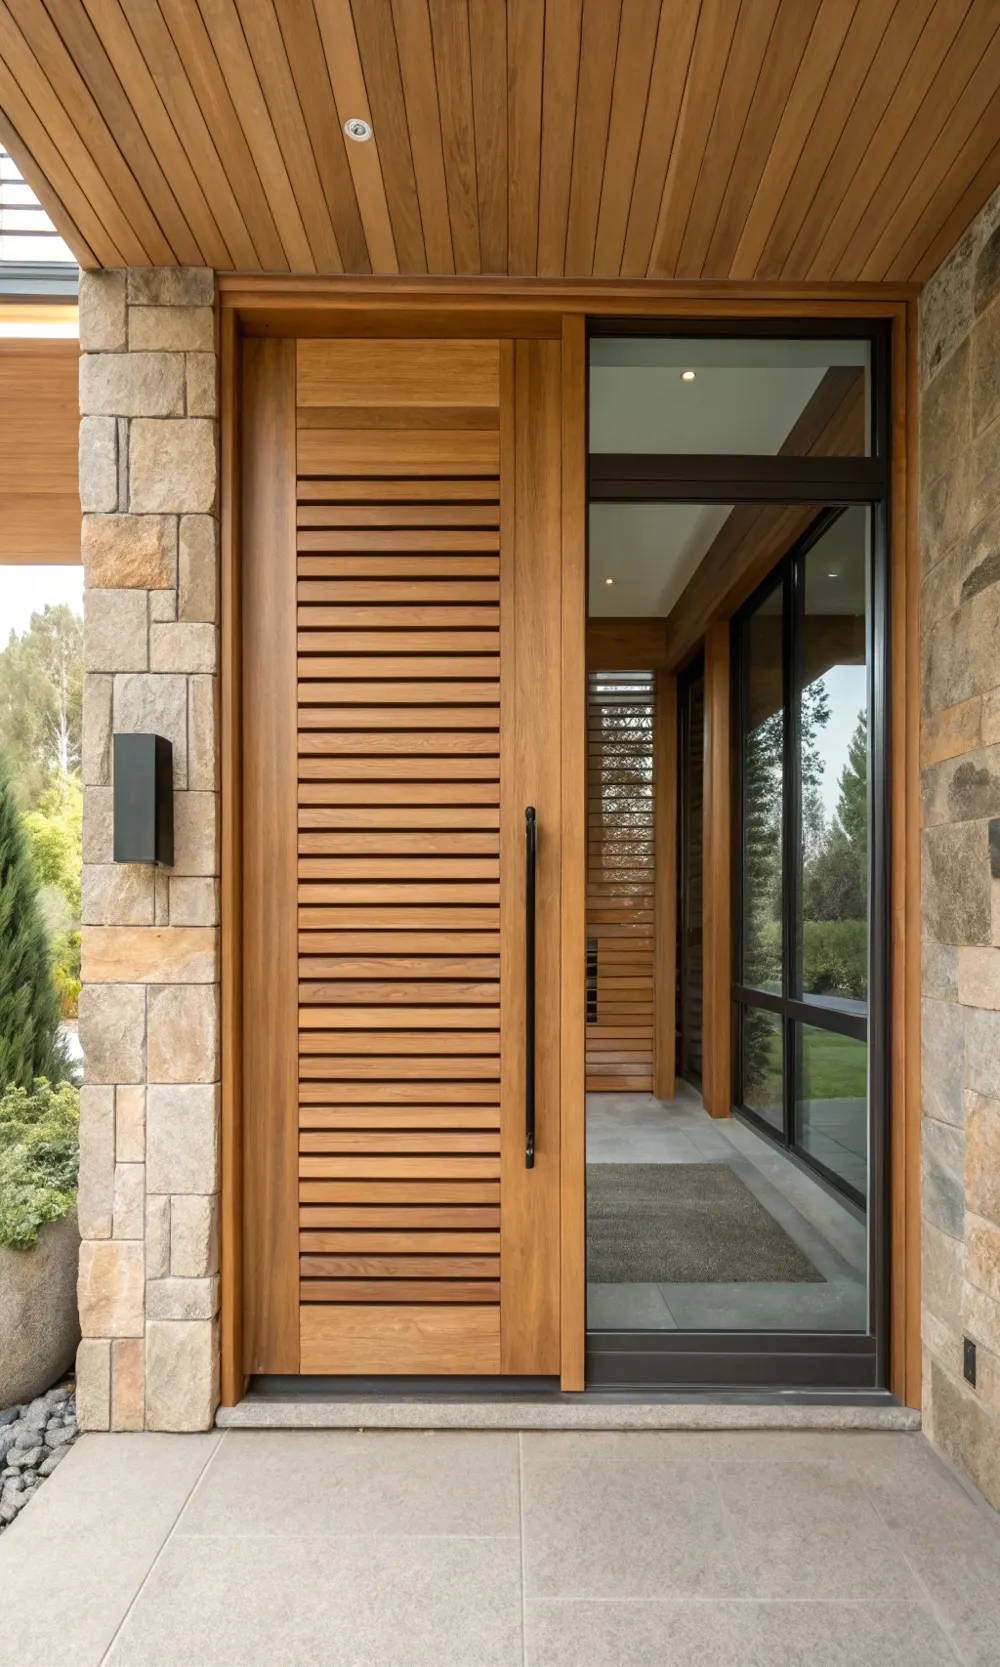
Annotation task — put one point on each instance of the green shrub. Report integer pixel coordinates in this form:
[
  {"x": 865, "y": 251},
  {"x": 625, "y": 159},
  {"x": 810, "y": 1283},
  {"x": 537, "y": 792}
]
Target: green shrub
[
  {"x": 835, "y": 958},
  {"x": 39, "y": 1158}
]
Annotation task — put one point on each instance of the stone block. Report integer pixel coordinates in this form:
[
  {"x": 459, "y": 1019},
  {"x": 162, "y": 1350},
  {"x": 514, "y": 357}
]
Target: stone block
[
  {"x": 113, "y": 1032},
  {"x": 130, "y": 1201},
  {"x": 941, "y": 1340},
  {"x": 957, "y": 904},
  {"x": 945, "y": 514},
  {"x": 198, "y": 568},
  {"x": 155, "y": 704},
  {"x": 946, "y": 310},
  {"x": 945, "y": 429},
  {"x": 203, "y": 733},
  {"x": 943, "y": 1188},
  {"x": 942, "y": 1056},
  {"x": 98, "y": 825},
  {"x": 97, "y": 462},
  {"x": 194, "y": 1236},
  {"x": 982, "y": 1051},
  {"x": 983, "y": 475},
  {"x": 966, "y": 1432},
  {"x": 130, "y": 1123},
  {"x": 96, "y": 742},
  {"x": 958, "y": 652},
  {"x": 183, "y": 647},
  {"x": 196, "y": 833},
  {"x": 103, "y": 324},
  {"x": 93, "y": 1379},
  {"x": 182, "y": 1299},
  {"x": 130, "y": 551},
  {"x": 202, "y": 385},
  {"x": 194, "y": 901},
  {"x": 982, "y": 1156},
  {"x": 979, "y": 977},
  {"x": 940, "y": 970},
  {"x": 990, "y": 719},
  {"x": 175, "y": 329},
  {"x": 111, "y": 1288},
  {"x": 172, "y": 465},
  {"x": 982, "y": 1258},
  {"x": 182, "y": 1374},
  {"x": 941, "y": 1273},
  {"x": 182, "y": 1138},
  {"x": 171, "y": 286},
  {"x": 981, "y": 1317},
  {"x": 183, "y": 1033},
  {"x": 128, "y": 1383},
  {"x": 985, "y": 350},
  {"x": 157, "y": 1236},
  {"x": 132, "y": 384},
  {"x": 95, "y": 1192},
  {"x": 951, "y": 733},
  {"x": 150, "y": 955},
  {"x": 115, "y": 630},
  {"x": 986, "y": 273},
  {"x": 161, "y": 898},
  {"x": 162, "y": 606},
  {"x": 117, "y": 894}
]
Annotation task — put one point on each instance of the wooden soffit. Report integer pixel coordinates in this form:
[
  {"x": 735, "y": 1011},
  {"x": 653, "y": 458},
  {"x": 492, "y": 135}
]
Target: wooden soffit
[
  {"x": 39, "y": 434},
  {"x": 777, "y": 140}
]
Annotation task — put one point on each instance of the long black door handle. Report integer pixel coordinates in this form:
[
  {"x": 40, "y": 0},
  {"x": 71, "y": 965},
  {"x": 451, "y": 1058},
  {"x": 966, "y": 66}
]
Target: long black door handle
[{"x": 531, "y": 854}]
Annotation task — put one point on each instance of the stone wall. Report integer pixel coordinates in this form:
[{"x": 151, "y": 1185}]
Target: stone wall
[
  {"x": 149, "y": 1009},
  {"x": 960, "y": 670}
]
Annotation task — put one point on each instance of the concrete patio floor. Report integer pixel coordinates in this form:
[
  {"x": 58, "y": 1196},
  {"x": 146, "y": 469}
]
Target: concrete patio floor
[{"x": 443, "y": 1549}]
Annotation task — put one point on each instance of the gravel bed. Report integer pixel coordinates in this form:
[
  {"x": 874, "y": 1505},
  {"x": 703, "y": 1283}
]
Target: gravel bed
[{"x": 34, "y": 1440}]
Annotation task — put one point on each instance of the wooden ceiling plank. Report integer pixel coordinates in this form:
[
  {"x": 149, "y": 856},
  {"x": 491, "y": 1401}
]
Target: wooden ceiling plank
[
  {"x": 35, "y": 176},
  {"x": 675, "y": 39},
  {"x": 633, "y": 68},
  {"x": 945, "y": 121},
  {"x": 595, "y": 85},
  {"x": 946, "y": 234},
  {"x": 343, "y": 62},
  {"x": 964, "y": 145},
  {"x": 525, "y": 42},
  {"x": 818, "y": 63},
  {"x": 35, "y": 93},
  {"x": 751, "y": 45},
  {"x": 104, "y": 88},
  {"x": 197, "y": 101},
  {"x": 56, "y": 63},
  {"x": 717, "y": 22},
  {"x": 128, "y": 64},
  {"x": 411, "y": 20},
  {"x": 488, "y": 47},
  {"x": 789, "y": 39},
  {"x": 304, "y": 51},
  {"x": 936, "y": 41},
  {"x": 561, "y": 70},
  {"x": 376, "y": 37},
  {"x": 453, "y": 70},
  {"x": 225, "y": 31},
  {"x": 863, "y": 39}
]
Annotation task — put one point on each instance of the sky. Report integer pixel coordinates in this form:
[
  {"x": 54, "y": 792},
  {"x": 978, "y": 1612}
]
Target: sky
[
  {"x": 847, "y": 689},
  {"x": 26, "y": 590}
]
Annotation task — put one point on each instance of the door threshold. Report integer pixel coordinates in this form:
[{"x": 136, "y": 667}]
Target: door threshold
[{"x": 539, "y": 1404}]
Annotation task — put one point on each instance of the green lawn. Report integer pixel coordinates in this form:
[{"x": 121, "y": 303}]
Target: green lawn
[{"x": 833, "y": 1067}]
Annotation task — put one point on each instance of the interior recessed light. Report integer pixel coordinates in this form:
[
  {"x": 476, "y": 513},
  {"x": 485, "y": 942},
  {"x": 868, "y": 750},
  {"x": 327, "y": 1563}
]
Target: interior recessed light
[
  {"x": 609, "y": 581},
  {"x": 688, "y": 375},
  {"x": 833, "y": 575},
  {"x": 357, "y": 129}
]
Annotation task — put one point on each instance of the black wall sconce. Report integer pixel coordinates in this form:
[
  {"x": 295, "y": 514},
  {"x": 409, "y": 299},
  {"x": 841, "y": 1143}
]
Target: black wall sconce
[{"x": 144, "y": 799}]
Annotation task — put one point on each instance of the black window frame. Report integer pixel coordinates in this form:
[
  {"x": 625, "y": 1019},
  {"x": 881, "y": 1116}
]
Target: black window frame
[{"x": 829, "y": 1361}]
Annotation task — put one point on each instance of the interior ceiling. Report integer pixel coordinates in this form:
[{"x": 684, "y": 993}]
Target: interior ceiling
[{"x": 770, "y": 139}]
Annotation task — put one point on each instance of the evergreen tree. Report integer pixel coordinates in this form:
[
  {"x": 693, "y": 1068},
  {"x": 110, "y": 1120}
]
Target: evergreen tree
[{"x": 29, "y": 1002}]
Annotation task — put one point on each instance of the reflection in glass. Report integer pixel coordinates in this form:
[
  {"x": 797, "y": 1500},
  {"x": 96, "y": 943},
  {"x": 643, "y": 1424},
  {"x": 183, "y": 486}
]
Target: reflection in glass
[
  {"x": 833, "y": 746},
  {"x": 762, "y": 1070},
  {"x": 831, "y": 1104},
  {"x": 763, "y": 794},
  {"x": 747, "y": 396}
]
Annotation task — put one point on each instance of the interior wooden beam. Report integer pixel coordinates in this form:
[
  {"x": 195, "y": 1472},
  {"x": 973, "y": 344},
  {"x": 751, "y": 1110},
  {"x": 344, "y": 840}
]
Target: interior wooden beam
[{"x": 626, "y": 644}]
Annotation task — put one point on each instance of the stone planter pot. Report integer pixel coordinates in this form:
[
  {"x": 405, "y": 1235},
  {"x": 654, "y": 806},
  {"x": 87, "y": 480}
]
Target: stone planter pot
[{"x": 39, "y": 1323}]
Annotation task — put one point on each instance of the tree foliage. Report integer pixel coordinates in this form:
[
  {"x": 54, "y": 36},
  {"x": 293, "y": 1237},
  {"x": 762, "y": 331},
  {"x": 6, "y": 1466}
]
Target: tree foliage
[
  {"x": 39, "y": 1158},
  {"x": 41, "y": 701},
  {"x": 29, "y": 1002}
]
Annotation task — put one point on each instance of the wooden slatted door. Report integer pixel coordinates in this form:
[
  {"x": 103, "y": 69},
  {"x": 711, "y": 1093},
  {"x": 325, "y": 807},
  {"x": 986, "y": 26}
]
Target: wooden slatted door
[{"x": 422, "y": 1243}]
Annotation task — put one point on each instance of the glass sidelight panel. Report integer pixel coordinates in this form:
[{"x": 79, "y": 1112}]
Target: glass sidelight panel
[
  {"x": 761, "y": 1064},
  {"x": 763, "y": 792},
  {"x": 831, "y": 1104}
]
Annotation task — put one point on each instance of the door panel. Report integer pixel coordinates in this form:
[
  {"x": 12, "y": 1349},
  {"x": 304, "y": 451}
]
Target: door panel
[{"x": 420, "y": 714}]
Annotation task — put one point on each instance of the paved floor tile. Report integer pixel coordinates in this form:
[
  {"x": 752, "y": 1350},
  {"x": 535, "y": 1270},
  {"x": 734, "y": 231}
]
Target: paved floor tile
[
  {"x": 316, "y": 1482},
  {"x": 354, "y": 1602},
  {"x": 650, "y": 1634},
  {"x": 63, "y": 1595}
]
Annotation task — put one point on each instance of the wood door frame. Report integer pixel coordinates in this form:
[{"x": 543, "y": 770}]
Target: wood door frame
[{"x": 283, "y": 306}]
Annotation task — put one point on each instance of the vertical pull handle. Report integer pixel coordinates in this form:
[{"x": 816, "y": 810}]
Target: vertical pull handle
[{"x": 530, "y": 853}]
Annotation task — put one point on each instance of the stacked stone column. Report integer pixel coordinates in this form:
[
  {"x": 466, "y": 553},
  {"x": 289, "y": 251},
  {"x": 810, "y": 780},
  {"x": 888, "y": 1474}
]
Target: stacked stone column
[{"x": 149, "y": 1009}]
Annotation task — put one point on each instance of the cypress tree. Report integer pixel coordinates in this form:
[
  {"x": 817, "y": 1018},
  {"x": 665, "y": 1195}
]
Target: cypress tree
[{"x": 29, "y": 1002}]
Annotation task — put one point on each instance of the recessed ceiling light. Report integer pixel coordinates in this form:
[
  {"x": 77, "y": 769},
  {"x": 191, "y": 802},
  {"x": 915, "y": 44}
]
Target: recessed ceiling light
[
  {"x": 357, "y": 129},
  {"x": 609, "y": 581},
  {"x": 688, "y": 375},
  {"x": 833, "y": 575}
]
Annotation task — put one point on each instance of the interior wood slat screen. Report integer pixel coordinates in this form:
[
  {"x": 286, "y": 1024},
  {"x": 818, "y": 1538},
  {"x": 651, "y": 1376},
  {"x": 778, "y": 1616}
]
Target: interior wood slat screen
[
  {"x": 399, "y": 907},
  {"x": 620, "y": 881}
]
